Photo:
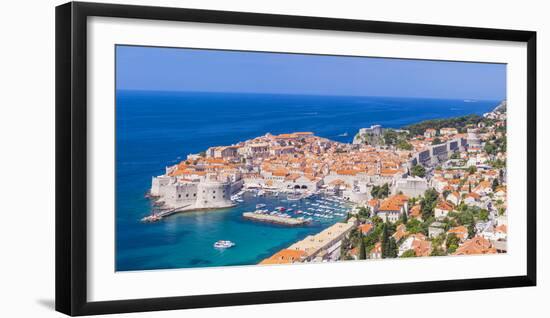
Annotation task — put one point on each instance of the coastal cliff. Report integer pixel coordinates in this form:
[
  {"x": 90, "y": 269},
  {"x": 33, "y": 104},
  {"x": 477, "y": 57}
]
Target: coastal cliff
[{"x": 501, "y": 108}]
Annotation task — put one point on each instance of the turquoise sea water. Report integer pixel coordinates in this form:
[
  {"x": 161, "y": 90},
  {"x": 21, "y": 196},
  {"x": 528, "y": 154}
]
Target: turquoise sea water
[{"x": 157, "y": 129}]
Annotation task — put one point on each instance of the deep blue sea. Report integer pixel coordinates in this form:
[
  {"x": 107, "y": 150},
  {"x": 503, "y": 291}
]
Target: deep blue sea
[{"x": 157, "y": 129}]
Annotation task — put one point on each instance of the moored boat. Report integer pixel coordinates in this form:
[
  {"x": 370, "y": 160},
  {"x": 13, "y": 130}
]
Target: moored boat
[{"x": 151, "y": 218}]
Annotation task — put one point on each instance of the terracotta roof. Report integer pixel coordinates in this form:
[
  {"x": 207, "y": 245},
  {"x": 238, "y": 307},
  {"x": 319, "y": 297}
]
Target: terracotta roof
[
  {"x": 502, "y": 228},
  {"x": 459, "y": 231},
  {"x": 365, "y": 228},
  {"x": 285, "y": 136},
  {"x": 400, "y": 232},
  {"x": 377, "y": 248},
  {"x": 214, "y": 160},
  {"x": 389, "y": 206},
  {"x": 280, "y": 173},
  {"x": 473, "y": 195},
  {"x": 444, "y": 205},
  {"x": 484, "y": 185},
  {"x": 337, "y": 182},
  {"x": 394, "y": 203},
  {"x": 415, "y": 211},
  {"x": 476, "y": 245},
  {"x": 400, "y": 197},
  {"x": 421, "y": 247},
  {"x": 501, "y": 188},
  {"x": 389, "y": 172},
  {"x": 285, "y": 256},
  {"x": 293, "y": 177},
  {"x": 347, "y": 172},
  {"x": 373, "y": 202}
]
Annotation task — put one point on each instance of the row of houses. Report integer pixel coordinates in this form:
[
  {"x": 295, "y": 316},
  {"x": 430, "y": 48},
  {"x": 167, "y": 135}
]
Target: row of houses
[{"x": 323, "y": 246}]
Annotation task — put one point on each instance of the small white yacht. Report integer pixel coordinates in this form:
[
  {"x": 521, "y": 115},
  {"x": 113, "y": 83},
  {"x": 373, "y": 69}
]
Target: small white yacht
[{"x": 224, "y": 244}]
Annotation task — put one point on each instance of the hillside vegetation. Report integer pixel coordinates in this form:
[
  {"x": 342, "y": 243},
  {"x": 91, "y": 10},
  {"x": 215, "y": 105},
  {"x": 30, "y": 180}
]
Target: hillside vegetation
[{"x": 456, "y": 122}]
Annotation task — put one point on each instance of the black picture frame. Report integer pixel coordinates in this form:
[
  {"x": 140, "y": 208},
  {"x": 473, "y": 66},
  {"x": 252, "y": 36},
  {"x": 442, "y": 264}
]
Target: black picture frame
[{"x": 71, "y": 157}]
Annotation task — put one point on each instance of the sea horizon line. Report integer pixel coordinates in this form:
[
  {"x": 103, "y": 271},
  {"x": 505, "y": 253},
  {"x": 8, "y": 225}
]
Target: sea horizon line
[{"x": 470, "y": 99}]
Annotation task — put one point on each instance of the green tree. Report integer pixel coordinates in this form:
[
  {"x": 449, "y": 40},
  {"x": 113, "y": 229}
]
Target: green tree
[
  {"x": 356, "y": 236},
  {"x": 436, "y": 141},
  {"x": 501, "y": 144},
  {"x": 471, "y": 230},
  {"x": 362, "y": 250},
  {"x": 392, "y": 248},
  {"x": 404, "y": 218},
  {"x": 348, "y": 216},
  {"x": 452, "y": 243},
  {"x": 373, "y": 237},
  {"x": 418, "y": 170},
  {"x": 427, "y": 205},
  {"x": 344, "y": 248},
  {"x": 498, "y": 164},
  {"x": 376, "y": 220},
  {"x": 483, "y": 215},
  {"x": 465, "y": 218},
  {"x": 472, "y": 169},
  {"x": 380, "y": 192},
  {"x": 374, "y": 191},
  {"x": 385, "y": 241},
  {"x": 364, "y": 212},
  {"x": 490, "y": 148},
  {"x": 385, "y": 191},
  {"x": 455, "y": 122},
  {"x": 437, "y": 251},
  {"x": 414, "y": 226},
  {"x": 390, "y": 137},
  {"x": 408, "y": 253},
  {"x": 403, "y": 144}
]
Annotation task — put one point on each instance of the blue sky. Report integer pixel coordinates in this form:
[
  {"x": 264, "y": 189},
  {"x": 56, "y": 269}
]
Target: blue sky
[{"x": 174, "y": 69}]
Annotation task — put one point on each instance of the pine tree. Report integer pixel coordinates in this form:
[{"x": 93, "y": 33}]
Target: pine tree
[
  {"x": 385, "y": 241},
  {"x": 362, "y": 250},
  {"x": 392, "y": 248},
  {"x": 343, "y": 248},
  {"x": 405, "y": 218}
]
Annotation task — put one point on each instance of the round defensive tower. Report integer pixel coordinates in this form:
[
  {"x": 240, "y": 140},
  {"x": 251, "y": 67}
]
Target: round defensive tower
[{"x": 213, "y": 194}]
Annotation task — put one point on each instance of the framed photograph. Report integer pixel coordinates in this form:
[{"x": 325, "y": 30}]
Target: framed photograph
[{"x": 209, "y": 158}]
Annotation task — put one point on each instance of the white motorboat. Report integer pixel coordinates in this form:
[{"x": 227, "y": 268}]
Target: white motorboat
[{"x": 224, "y": 244}]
